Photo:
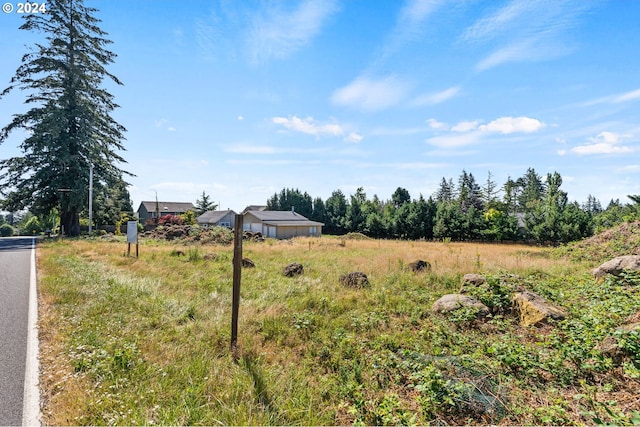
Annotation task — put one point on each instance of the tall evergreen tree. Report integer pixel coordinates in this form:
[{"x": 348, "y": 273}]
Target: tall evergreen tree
[
  {"x": 446, "y": 191},
  {"x": 336, "y": 207},
  {"x": 69, "y": 123},
  {"x": 490, "y": 190},
  {"x": 289, "y": 199},
  {"x": 355, "y": 218},
  {"x": 511, "y": 194},
  {"x": 469, "y": 193},
  {"x": 319, "y": 212},
  {"x": 400, "y": 197},
  {"x": 533, "y": 190}
]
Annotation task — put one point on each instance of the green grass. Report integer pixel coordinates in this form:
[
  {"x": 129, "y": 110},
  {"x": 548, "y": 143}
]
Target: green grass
[{"x": 146, "y": 341}]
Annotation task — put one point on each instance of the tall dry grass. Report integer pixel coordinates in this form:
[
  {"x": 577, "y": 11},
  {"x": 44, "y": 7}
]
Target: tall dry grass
[{"x": 145, "y": 340}]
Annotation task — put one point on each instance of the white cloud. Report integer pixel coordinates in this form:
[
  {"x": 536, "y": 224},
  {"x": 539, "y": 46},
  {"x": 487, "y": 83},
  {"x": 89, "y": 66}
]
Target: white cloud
[
  {"x": 276, "y": 33},
  {"x": 436, "y": 98},
  {"x": 371, "y": 95},
  {"x": 386, "y": 131},
  {"x": 165, "y": 123},
  {"x": 600, "y": 148},
  {"x": 629, "y": 168},
  {"x": 354, "y": 138},
  {"x": 513, "y": 52},
  {"x": 309, "y": 126},
  {"x": 455, "y": 140},
  {"x": 435, "y": 124},
  {"x": 507, "y": 125},
  {"x": 625, "y": 97},
  {"x": 604, "y": 143},
  {"x": 465, "y": 126},
  {"x": 615, "y": 99},
  {"x": 469, "y": 132},
  {"x": 240, "y": 118},
  {"x": 410, "y": 24},
  {"x": 536, "y": 30}
]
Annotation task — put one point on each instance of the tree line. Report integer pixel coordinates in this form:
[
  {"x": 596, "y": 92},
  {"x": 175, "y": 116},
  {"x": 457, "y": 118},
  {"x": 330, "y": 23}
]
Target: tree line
[{"x": 529, "y": 208}]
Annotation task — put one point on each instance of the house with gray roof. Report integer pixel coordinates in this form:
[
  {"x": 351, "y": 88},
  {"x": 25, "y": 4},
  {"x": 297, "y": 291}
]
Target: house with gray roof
[
  {"x": 148, "y": 210},
  {"x": 254, "y": 208},
  {"x": 280, "y": 224},
  {"x": 217, "y": 219}
]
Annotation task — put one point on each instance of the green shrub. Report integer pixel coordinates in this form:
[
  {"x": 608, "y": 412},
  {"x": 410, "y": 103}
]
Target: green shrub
[
  {"x": 32, "y": 226},
  {"x": 6, "y": 230}
]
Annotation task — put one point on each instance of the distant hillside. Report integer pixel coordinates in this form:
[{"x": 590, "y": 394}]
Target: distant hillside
[{"x": 623, "y": 239}]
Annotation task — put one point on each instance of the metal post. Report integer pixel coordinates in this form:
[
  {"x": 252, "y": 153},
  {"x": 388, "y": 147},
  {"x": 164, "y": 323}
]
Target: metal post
[
  {"x": 237, "y": 275},
  {"x": 90, "y": 196}
]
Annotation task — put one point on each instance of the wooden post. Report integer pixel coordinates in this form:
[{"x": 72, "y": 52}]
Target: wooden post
[{"x": 237, "y": 275}]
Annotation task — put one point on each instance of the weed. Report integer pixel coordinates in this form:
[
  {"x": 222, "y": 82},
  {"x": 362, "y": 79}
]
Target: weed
[{"x": 146, "y": 341}]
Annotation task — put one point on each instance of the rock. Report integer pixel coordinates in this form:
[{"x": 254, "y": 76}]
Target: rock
[
  {"x": 473, "y": 279},
  {"x": 610, "y": 347},
  {"x": 452, "y": 302},
  {"x": 247, "y": 263},
  {"x": 470, "y": 282},
  {"x": 617, "y": 265},
  {"x": 533, "y": 309},
  {"x": 356, "y": 279},
  {"x": 419, "y": 266},
  {"x": 293, "y": 269}
]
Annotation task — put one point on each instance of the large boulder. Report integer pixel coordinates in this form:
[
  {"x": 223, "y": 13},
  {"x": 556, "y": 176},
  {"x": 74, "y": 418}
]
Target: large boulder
[
  {"x": 534, "y": 310},
  {"x": 419, "y": 266},
  {"x": 617, "y": 265},
  {"x": 453, "y": 302},
  {"x": 473, "y": 280},
  {"x": 293, "y": 269},
  {"x": 356, "y": 279},
  {"x": 610, "y": 346}
]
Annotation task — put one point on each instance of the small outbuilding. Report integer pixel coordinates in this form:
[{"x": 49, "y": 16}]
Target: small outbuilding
[
  {"x": 217, "y": 219},
  {"x": 281, "y": 224}
]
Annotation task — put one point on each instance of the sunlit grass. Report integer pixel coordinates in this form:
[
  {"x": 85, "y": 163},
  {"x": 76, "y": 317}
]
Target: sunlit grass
[{"x": 145, "y": 340}]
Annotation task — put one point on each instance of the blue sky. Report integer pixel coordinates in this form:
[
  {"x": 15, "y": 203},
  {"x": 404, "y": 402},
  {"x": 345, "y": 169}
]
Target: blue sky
[{"x": 241, "y": 99}]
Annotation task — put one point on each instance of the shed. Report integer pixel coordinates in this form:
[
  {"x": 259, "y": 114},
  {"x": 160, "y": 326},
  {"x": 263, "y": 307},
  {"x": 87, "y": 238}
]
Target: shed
[{"x": 281, "y": 224}]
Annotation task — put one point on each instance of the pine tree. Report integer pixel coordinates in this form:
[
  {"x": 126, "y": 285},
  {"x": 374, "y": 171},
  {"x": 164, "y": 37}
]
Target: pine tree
[
  {"x": 204, "y": 204},
  {"x": 490, "y": 190},
  {"x": 446, "y": 191},
  {"x": 69, "y": 123}
]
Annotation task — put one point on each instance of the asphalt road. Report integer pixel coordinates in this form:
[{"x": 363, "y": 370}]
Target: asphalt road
[{"x": 15, "y": 270}]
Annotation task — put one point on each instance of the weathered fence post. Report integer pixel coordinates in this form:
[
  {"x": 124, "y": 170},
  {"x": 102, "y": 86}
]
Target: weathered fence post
[{"x": 237, "y": 275}]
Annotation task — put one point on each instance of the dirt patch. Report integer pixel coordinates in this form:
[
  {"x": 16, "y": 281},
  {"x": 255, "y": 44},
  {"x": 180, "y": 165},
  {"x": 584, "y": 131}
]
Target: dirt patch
[{"x": 623, "y": 239}]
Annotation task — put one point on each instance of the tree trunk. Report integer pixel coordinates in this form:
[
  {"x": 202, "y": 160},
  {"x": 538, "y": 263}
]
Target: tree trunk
[{"x": 70, "y": 220}]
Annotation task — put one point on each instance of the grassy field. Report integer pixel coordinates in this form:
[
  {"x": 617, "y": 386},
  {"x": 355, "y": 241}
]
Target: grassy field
[{"x": 129, "y": 341}]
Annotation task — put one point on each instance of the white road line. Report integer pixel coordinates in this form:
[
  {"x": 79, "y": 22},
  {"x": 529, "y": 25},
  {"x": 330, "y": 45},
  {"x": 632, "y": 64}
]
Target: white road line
[{"x": 31, "y": 403}]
